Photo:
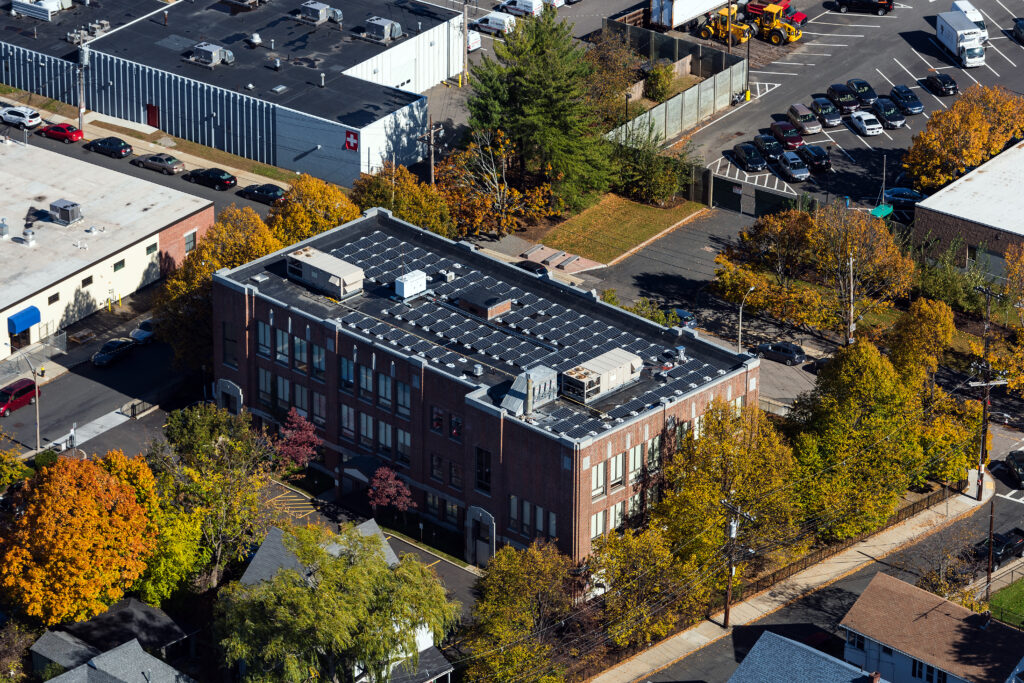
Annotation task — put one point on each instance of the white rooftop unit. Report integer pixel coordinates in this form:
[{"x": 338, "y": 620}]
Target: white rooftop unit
[
  {"x": 410, "y": 284},
  {"x": 598, "y": 376},
  {"x": 531, "y": 389},
  {"x": 65, "y": 212},
  {"x": 383, "y": 30},
  {"x": 212, "y": 55},
  {"x": 326, "y": 273}
]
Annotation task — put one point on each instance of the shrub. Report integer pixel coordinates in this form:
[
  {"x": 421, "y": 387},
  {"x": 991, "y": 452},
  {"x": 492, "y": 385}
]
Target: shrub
[
  {"x": 45, "y": 459},
  {"x": 659, "y": 82}
]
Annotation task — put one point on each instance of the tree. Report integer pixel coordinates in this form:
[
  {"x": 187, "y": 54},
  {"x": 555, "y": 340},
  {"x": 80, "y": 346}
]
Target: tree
[
  {"x": 645, "y": 308},
  {"x": 12, "y": 469},
  {"x": 642, "y": 172},
  {"x": 15, "y": 641},
  {"x": 977, "y": 126},
  {"x": 614, "y": 67},
  {"x": 524, "y": 595},
  {"x": 475, "y": 185},
  {"x": 536, "y": 91},
  {"x": 193, "y": 432},
  {"x": 399, "y": 191},
  {"x": 184, "y": 305},
  {"x": 179, "y": 555},
  {"x": 311, "y": 206},
  {"x": 659, "y": 82},
  {"x": 298, "y": 443},
  {"x": 920, "y": 336},
  {"x": 387, "y": 490},
  {"x": 949, "y": 436},
  {"x": 58, "y": 566},
  {"x": 348, "y": 610}
]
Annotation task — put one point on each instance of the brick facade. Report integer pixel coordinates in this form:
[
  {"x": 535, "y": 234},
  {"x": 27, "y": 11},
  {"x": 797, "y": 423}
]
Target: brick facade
[
  {"x": 937, "y": 231},
  {"x": 173, "y": 240}
]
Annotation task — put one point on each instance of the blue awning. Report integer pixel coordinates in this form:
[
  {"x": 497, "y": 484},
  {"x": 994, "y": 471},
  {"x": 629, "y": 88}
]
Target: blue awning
[{"x": 23, "y": 319}]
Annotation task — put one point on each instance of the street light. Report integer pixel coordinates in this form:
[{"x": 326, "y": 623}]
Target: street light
[{"x": 739, "y": 334}]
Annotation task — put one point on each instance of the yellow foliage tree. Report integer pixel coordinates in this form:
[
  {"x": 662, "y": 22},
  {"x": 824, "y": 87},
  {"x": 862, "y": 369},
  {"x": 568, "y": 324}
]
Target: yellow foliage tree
[
  {"x": 399, "y": 191},
  {"x": 920, "y": 336},
  {"x": 309, "y": 208}
]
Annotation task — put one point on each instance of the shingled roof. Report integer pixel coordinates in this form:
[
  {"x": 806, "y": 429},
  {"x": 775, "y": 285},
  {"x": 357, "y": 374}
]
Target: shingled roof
[{"x": 775, "y": 658}]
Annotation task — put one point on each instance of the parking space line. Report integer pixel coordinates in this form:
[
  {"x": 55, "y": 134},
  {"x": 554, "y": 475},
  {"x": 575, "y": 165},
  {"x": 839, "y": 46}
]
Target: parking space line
[
  {"x": 989, "y": 67},
  {"x": 827, "y": 23},
  {"x": 812, "y": 54},
  {"x": 793, "y": 63},
  {"x": 858, "y": 136},
  {"x": 758, "y": 94},
  {"x": 773, "y": 73},
  {"x": 827, "y": 44},
  {"x": 835, "y": 35},
  {"x": 930, "y": 67},
  {"x": 816, "y": 18},
  {"x": 1007, "y": 9},
  {"x": 1000, "y": 51},
  {"x": 916, "y": 79}
]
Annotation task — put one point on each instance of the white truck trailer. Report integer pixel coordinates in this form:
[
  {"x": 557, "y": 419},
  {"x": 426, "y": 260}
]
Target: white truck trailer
[{"x": 961, "y": 38}]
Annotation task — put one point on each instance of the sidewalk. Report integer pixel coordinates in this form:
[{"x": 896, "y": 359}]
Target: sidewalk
[{"x": 683, "y": 644}]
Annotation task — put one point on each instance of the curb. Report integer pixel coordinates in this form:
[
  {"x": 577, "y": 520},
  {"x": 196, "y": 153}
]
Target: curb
[{"x": 655, "y": 238}]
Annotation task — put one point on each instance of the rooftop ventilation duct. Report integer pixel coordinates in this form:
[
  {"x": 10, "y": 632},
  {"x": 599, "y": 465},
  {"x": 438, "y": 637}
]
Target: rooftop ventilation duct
[{"x": 530, "y": 390}]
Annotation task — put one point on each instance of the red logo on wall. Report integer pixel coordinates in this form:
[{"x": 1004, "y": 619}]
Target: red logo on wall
[{"x": 352, "y": 140}]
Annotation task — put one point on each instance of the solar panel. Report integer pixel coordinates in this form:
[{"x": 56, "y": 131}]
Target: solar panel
[
  {"x": 408, "y": 340},
  {"x": 380, "y": 329},
  {"x": 394, "y": 334},
  {"x": 422, "y": 345}
]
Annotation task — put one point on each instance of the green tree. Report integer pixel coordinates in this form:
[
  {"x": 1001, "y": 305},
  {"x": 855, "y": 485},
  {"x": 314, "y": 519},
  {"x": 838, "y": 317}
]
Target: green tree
[
  {"x": 178, "y": 558},
  {"x": 348, "y": 610},
  {"x": 399, "y": 191},
  {"x": 536, "y": 91},
  {"x": 642, "y": 172},
  {"x": 919, "y": 336},
  {"x": 311, "y": 206},
  {"x": 645, "y": 308},
  {"x": 659, "y": 82},
  {"x": 614, "y": 68},
  {"x": 12, "y": 468},
  {"x": 193, "y": 432}
]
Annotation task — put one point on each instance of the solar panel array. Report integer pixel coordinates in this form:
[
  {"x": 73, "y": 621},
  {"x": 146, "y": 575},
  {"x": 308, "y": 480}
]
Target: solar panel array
[{"x": 536, "y": 331}]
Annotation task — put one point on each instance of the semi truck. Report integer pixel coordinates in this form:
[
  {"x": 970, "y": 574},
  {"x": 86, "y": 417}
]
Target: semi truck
[
  {"x": 961, "y": 38},
  {"x": 688, "y": 14}
]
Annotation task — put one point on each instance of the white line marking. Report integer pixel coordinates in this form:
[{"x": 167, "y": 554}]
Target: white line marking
[
  {"x": 886, "y": 79},
  {"x": 768, "y": 88},
  {"x": 774, "y": 73},
  {"x": 812, "y": 54},
  {"x": 828, "y": 23},
  {"x": 918, "y": 86},
  {"x": 815, "y": 18},
  {"x": 835, "y": 35},
  {"x": 793, "y": 63},
  {"x": 998, "y": 37},
  {"x": 854, "y": 131},
  {"x": 919, "y": 55},
  {"x": 1007, "y": 9},
  {"x": 990, "y": 68},
  {"x": 1003, "y": 495},
  {"x": 826, "y": 44}
]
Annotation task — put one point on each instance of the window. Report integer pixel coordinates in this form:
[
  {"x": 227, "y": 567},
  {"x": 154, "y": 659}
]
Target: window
[
  {"x": 365, "y": 430},
  {"x": 855, "y": 640},
  {"x": 940, "y": 677},
  {"x": 319, "y": 408},
  {"x": 365, "y": 383},
  {"x": 53, "y": 298},
  {"x": 300, "y": 355},
  {"x": 119, "y": 265},
  {"x": 615, "y": 465},
  {"x": 348, "y": 422},
  {"x": 636, "y": 462},
  {"x": 597, "y": 524},
  {"x": 151, "y": 249},
  {"x": 527, "y": 516},
  {"x": 404, "y": 399},
  {"x": 383, "y": 391},
  {"x": 384, "y": 438},
  {"x": 284, "y": 393},
  {"x": 436, "y": 467},
  {"x": 86, "y": 281},
  {"x": 433, "y": 505},
  {"x": 436, "y": 419},
  {"x": 282, "y": 347},
  {"x": 886, "y": 650},
  {"x": 597, "y": 480},
  {"x": 302, "y": 400},
  {"x": 618, "y": 515},
  {"x": 654, "y": 453},
  {"x": 455, "y": 428},
  {"x": 229, "y": 344},
  {"x": 538, "y": 515},
  {"x": 266, "y": 386},
  {"x": 319, "y": 362},
  {"x": 346, "y": 372},
  {"x": 551, "y": 524},
  {"x": 451, "y": 512},
  {"x": 916, "y": 669},
  {"x": 455, "y": 475},
  {"x": 190, "y": 242},
  {"x": 404, "y": 447},
  {"x": 513, "y": 512},
  {"x": 483, "y": 470},
  {"x": 635, "y": 504},
  {"x": 263, "y": 339}
]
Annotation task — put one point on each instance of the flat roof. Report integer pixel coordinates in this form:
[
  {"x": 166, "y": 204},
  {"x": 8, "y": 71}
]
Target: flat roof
[
  {"x": 981, "y": 195},
  {"x": 305, "y": 52},
  {"x": 118, "y": 210},
  {"x": 550, "y": 324}
]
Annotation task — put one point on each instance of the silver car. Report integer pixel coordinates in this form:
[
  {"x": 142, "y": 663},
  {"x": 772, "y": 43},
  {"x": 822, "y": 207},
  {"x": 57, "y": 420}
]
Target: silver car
[
  {"x": 794, "y": 167},
  {"x": 164, "y": 163}
]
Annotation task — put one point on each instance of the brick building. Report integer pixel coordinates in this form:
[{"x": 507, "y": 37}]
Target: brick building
[{"x": 515, "y": 406}]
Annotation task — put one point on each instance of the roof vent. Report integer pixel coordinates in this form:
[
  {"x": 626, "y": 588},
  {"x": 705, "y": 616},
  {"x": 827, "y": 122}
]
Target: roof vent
[
  {"x": 532, "y": 389},
  {"x": 411, "y": 284},
  {"x": 478, "y": 370},
  {"x": 260, "y": 277},
  {"x": 65, "y": 212},
  {"x": 29, "y": 237}
]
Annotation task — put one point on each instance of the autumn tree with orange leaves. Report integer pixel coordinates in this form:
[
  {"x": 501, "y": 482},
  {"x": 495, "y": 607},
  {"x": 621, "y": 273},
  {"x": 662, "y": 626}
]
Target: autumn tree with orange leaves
[{"x": 79, "y": 537}]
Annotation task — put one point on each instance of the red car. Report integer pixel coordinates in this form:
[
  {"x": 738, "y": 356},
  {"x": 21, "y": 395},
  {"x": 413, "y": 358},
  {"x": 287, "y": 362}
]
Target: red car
[
  {"x": 787, "y": 134},
  {"x": 64, "y": 132},
  {"x": 14, "y": 396}
]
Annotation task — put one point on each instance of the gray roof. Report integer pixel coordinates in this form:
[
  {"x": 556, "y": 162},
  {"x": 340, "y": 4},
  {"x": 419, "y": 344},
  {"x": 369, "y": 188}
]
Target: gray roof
[
  {"x": 774, "y": 658},
  {"x": 127, "y": 663},
  {"x": 63, "y": 648},
  {"x": 128, "y": 620},
  {"x": 431, "y": 665}
]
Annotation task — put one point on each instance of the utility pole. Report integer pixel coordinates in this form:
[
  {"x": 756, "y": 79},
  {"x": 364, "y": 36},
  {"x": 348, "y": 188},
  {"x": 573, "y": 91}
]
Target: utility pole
[
  {"x": 728, "y": 30},
  {"x": 853, "y": 325},
  {"x": 735, "y": 514},
  {"x": 991, "y": 523},
  {"x": 464, "y": 76},
  {"x": 36, "y": 374},
  {"x": 739, "y": 332},
  {"x": 429, "y": 137},
  {"x": 988, "y": 384}
]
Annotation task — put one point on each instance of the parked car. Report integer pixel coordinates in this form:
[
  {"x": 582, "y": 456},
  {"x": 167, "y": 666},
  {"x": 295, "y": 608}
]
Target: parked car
[
  {"x": 816, "y": 158},
  {"x": 1005, "y": 546},
  {"x": 804, "y": 119},
  {"x": 786, "y": 133},
  {"x": 112, "y": 147},
  {"x": 768, "y": 146},
  {"x": 941, "y": 84},
  {"x": 903, "y": 198},
  {"x": 532, "y": 267},
  {"x": 879, "y": 7},
  {"x": 113, "y": 350},
  {"x": 264, "y": 194},
  {"x": 793, "y": 167},
  {"x": 748, "y": 158},
  {"x": 1018, "y": 30},
  {"x": 888, "y": 113},
  {"x": 783, "y": 352},
  {"x": 473, "y": 41},
  {"x": 686, "y": 318},
  {"x": 217, "y": 178},
  {"x": 164, "y": 163},
  {"x": 865, "y": 124},
  {"x": 22, "y": 117},
  {"x": 1015, "y": 463},
  {"x": 816, "y": 365},
  {"x": 904, "y": 98},
  {"x": 498, "y": 23},
  {"x": 144, "y": 332},
  {"x": 64, "y": 132},
  {"x": 843, "y": 97},
  {"x": 17, "y": 395},
  {"x": 826, "y": 112},
  {"x": 865, "y": 93}
]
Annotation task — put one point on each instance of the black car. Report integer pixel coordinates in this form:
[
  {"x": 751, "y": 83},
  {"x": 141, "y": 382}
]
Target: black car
[
  {"x": 843, "y": 97},
  {"x": 1018, "y": 30},
  {"x": 865, "y": 93},
  {"x": 903, "y": 198},
  {"x": 1015, "y": 463},
  {"x": 264, "y": 194},
  {"x": 748, "y": 158},
  {"x": 768, "y": 146},
  {"x": 816, "y": 158},
  {"x": 783, "y": 352},
  {"x": 888, "y": 113},
  {"x": 904, "y": 98},
  {"x": 216, "y": 178},
  {"x": 532, "y": 267},
  {"x": 941, "y": 84},
  {"x": 112, "y": 147},
  {"x": 879, "y": 7},
  {"x": 826, "y": 112},
  {"x": 112, "y": 350}
]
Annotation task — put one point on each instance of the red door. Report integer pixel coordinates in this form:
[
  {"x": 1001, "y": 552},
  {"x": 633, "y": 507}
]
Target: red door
[{"x": 153, "y": 115}]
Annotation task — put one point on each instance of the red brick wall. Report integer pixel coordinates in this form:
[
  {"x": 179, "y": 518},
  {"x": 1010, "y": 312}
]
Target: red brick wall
[{"x": 172, "y": 238}]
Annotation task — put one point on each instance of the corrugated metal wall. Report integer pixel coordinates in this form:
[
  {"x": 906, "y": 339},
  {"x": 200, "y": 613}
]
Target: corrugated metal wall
[{"x": 35, "y": 72}]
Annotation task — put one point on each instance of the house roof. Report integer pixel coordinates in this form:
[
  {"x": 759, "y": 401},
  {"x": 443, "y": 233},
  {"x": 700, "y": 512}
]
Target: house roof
[
  {"x": 936, "y": 631},
  {"x": 127, "y": 663},
  {"x": 430, "y": 666},
  {"x": 127, "y": 620},
  {"x": 775, "y": 658},
  {"x": 63, "y": 649}
]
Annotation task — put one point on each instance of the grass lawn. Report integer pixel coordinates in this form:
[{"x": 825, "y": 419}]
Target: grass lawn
[
  {"x": 1008, "y": 604},
  {"x": 613, "y": 226}
]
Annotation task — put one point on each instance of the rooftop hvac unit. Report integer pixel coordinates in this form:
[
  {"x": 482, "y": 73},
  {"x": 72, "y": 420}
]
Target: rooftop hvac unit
[
  {"x": 209, "y": 54},
  {"x": 601, "y": 375},
  {"x": 65, "y": 212},
  {"x": 410, "y": 284},
  {"x": 383, "y": 30},
  {"x": 313, "y": 12},
  {"x": 326, "y": 273}
]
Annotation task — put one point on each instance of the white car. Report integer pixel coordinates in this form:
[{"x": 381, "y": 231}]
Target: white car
[
  {"x": 143, "y": 334},
  {"x": 865, "y": 124},
  {"x": 794, "y": 167},
  {"x": 22, "y": 117}
]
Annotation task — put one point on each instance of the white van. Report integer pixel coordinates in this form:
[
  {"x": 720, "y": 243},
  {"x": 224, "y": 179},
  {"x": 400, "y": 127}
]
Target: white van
[
  {"x": 523, "y": 8},
  {"x": 473, "y": 42},
  {"x": 497, "y": 23},
  {"x": 973, "y": 15}
]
